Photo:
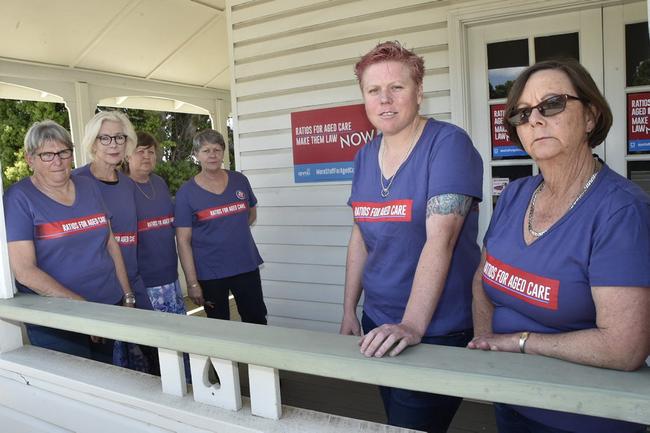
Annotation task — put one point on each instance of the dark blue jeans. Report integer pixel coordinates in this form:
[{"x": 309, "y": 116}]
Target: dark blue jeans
[
  {"x": 71, "y": 343},
  {"x": 247, "y": 290},
  {"x": 511, "y": 421},
  {"x": 420, "y": 410}
]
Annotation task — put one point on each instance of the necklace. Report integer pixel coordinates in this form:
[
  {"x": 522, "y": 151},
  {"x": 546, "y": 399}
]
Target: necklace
[
  {"x": 153, "y": 189},
  {"x": 385, "y": 189},
  {"x": 531, "y": 211}
]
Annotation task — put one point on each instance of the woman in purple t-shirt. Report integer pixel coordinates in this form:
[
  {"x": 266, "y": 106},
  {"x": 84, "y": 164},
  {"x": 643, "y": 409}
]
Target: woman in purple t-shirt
[
  {"x": 565, "y": 270},
  {"x": 157, "y": 259},
  {"x": 60, "y": 241},
  {"x": 108, "y": 137},
  {"x": 413, "y": 249},
  {"x": 213, "y": 214}
]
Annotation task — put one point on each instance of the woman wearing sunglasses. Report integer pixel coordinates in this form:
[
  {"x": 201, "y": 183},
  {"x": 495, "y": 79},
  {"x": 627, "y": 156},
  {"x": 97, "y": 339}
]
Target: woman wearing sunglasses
[
  {"x": 60, "y": 242},
  {"x": 565, "y": 270}
]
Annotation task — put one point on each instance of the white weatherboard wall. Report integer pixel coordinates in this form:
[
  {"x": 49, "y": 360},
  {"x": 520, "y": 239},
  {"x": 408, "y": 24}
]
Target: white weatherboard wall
[{"x": 295, "y": 55}]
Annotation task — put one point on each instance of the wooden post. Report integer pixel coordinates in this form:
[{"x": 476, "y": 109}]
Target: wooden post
[
  {"x": 227, "y": 393},
  {"x": 10, "y": 332},
  {"x": 172, "y": 372},
  {"x": 265, "y": 391}
]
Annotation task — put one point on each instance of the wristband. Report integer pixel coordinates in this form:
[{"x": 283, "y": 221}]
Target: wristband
[
  {"x": 129, "y": 298},
  {"x": 523, "y": 337}
]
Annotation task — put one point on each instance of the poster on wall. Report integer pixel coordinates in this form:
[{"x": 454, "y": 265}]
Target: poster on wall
[
  {"x": 326, "y": 140},
  {"x": 638, "y": 127},
  {"x": 502, "y": 147}
]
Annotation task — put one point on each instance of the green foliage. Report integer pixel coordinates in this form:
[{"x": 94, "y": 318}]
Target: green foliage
[
  {"x": 176, "y": 173},
  {"x": 501, "y": 90},
  {"x": 642, "y": 74},
  {"x": 18, "y": 170},
  {"x": 15, "y": 119},
  {"x": 174, "y": 132}
]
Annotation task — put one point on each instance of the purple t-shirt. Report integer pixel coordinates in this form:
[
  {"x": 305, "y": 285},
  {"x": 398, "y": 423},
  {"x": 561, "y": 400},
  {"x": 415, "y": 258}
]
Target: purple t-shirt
[
  {"x": 545, "y": 287},
  {"x": 222, "y": 242},
  {"x": 443, "y": 161},
  {"x": 157, "y": 259},
  {"x": 120, "y": 201},
  {"x": 69, "y": 241}
]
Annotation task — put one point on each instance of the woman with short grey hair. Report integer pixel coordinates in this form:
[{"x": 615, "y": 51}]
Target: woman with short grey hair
[
  {"x": 218, "y": 254},
  {"x": 60, "y": 241}
]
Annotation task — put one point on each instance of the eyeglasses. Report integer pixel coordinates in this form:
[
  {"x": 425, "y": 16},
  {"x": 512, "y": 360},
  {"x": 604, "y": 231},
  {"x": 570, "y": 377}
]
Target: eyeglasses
[
  {"x": 547, "y": 108},
  {"x": 49, "y": 156},
  {"x": 106, "y": 140}
]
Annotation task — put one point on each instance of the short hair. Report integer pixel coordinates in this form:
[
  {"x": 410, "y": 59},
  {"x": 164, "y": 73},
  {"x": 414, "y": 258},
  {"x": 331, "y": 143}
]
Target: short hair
[
  {"x": 585, "y": 87},
  {"x": 95, "y": 124},
  {"x": 207, "y": 136},
  {"x": 42, "y": 132},
  {"x": 391, "y": 51},
  {"x": 147, "y": 140}
]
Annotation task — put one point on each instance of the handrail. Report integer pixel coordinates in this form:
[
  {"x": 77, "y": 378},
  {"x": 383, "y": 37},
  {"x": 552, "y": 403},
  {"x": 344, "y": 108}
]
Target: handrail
[{"x": 493, "y": 376}]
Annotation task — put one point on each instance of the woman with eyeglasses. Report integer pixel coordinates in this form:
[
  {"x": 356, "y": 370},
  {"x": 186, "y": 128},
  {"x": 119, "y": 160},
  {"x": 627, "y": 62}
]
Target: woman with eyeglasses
[
  {"x": 565, "y": 270},
  {"x": 213, "y": 214},
  {"x": 108, "y": 137},
  {"x": 60, "y": 241}
]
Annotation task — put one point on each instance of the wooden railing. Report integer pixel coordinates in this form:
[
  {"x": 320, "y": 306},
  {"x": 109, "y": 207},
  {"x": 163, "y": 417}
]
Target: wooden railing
[{"x": 492, "y": 376}]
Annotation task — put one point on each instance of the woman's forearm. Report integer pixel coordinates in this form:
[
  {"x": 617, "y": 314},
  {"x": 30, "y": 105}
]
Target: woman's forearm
[
  {"x": 22, "y": 259},
  {"x": 482, "y": 308},
  {"x": 356, "y": 259},
  {"x": 120, "y": 269},
  {"x": 184, "y": 245}
]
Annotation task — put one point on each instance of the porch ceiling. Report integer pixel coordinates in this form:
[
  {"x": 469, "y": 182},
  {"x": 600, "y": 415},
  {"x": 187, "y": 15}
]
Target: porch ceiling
[{"x": 179, "y": 41}]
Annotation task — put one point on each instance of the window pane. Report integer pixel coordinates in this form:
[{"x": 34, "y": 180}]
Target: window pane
[
  {"x": 502, "y": 175},
  {"x": 566, "y": 46},
  {"x": 639, "y": 173},
  {"x": 505, "y": 61},
  {"x": 637, "y": 54}
]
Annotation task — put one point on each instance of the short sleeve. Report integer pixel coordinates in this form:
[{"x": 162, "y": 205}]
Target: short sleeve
[
  {"x": 182, "y": 208},
  {"x": 19, "y": 218},
  {"x": 620, "y": 254},
  {"x": 455, "y": 166}
]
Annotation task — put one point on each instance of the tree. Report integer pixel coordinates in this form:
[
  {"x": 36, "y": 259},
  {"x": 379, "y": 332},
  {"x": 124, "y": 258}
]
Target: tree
[
  {"x": 15, "y": 119},
  {"x": 174, "y": 132}
]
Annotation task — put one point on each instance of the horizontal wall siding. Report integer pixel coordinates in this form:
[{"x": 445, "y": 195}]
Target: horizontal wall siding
[{"x": 296, "y": 55}]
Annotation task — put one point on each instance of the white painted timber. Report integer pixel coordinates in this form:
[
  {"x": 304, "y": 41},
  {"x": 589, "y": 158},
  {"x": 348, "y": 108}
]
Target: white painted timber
[
  {"x": 10, "y": 332},
  {"x": 80, "y": 395},
  {"x": 265, "y": 391},
  {"x": 172, "y": 372},
  {"x": 18, "y": 422},
  {"x": 309, "y": 255},
  {"x": 226, "y": 393}
]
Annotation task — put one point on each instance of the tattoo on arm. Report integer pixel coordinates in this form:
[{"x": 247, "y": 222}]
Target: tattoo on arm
[{"x": 446, "y": 204}]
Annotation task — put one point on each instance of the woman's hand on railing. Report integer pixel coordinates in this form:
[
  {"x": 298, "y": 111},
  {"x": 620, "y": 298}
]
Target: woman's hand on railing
[
  {"x": 496, "y": 342},
  {"x": 389, "y": 339}
]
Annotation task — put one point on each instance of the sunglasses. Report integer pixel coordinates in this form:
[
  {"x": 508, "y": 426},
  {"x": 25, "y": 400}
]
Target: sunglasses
[{"x": 547, "y": 108}]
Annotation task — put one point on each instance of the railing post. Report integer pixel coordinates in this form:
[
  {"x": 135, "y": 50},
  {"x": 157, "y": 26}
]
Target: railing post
[
  {"x": 10, "y": 332},
  {"x": 264, "y": 385},
  {"x": 226, "y": 393},
  {"x": 172, "y": 372}
]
